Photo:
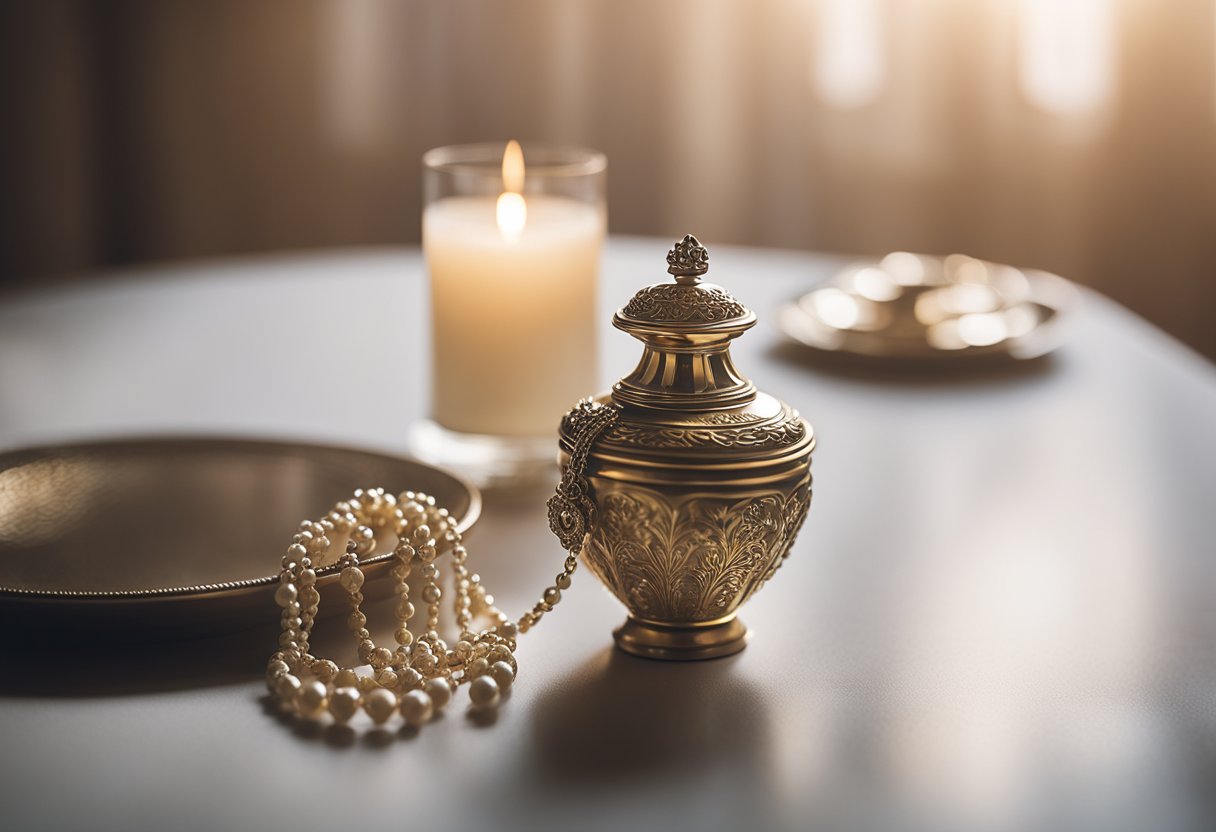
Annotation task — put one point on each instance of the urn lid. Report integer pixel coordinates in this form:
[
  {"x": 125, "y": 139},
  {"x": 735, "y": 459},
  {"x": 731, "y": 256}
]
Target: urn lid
[
  {"x": 685, "y": 407},
  {"x": 687, "y": 327}
]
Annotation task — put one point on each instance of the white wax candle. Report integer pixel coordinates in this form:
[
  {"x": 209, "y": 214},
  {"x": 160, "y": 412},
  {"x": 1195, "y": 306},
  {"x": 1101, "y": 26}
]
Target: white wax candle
[{"x": 513, "y": 320}]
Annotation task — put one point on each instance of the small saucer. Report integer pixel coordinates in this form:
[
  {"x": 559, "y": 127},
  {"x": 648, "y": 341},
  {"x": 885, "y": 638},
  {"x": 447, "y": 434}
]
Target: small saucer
[
  {"x": 149, "y": 539},
  {"x": 918, "y": 307}
]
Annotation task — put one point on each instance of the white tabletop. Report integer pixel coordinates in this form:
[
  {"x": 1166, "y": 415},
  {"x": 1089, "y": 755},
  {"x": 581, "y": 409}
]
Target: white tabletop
[{"x": 1000, "y": 614}]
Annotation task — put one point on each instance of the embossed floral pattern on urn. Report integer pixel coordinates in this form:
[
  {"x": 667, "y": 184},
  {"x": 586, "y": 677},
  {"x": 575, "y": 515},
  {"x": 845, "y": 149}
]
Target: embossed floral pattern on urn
[{"x": 693, "y": 558}]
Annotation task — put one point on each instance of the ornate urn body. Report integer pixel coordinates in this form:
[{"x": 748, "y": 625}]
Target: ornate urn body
[{"x": 696, "y": 491}]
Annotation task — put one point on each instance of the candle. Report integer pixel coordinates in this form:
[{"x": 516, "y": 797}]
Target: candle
[{"x": 513, "y": 304}]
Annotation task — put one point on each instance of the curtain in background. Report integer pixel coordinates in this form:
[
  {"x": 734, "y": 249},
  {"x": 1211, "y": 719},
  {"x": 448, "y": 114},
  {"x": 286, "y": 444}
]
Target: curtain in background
[{"x": 1074, "y": 135}]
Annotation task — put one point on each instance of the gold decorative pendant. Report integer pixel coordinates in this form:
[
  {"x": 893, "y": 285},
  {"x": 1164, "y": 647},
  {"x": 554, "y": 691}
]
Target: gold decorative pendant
[{"x": 571, "y": 510}]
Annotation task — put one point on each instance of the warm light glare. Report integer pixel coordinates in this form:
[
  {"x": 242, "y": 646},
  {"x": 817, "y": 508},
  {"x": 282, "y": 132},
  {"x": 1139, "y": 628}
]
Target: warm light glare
[
  {"x": 1012, "y": 283},
  {"x": 835, "y": 307},
  {"x": 928, "y": 309},
  {"x": 944, "y": 335},
  {"x": 875, "y": 284},
  {"x": 1066, "y": 52},
  {"x": 355, "y": 84},
  {"x": 26, "y": 492},
  {"x": 955, "y": 300},
  {"x": 512, "y": 215},
  {"x": 905, "y": 267},
  {"x": 962, "y": 298},
  {"x": 963, "y": 269},
  {"x": 511, "y": 210},
  {"x": 849, "y": 65},
  {"x": 982, "y": 329},
  {"x": 1020, "y": 320},
  {"x": 513, "y": 168}
]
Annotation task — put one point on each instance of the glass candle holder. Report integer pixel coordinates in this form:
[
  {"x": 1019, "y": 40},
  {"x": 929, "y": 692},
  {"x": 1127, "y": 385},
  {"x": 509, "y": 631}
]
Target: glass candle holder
[{"x": 512, "y": 240}]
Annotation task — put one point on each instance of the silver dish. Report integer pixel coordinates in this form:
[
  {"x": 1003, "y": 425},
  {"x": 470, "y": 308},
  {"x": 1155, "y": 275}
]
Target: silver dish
[{"x": 912, "y": 307}]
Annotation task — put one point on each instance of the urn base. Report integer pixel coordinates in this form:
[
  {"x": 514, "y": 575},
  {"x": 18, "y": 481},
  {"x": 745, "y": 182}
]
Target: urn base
[{"x": 688, "y": 642}]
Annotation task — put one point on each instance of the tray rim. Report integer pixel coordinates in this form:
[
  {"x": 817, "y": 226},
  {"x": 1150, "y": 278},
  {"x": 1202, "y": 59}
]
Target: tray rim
[{"x": 223, "y": 588}]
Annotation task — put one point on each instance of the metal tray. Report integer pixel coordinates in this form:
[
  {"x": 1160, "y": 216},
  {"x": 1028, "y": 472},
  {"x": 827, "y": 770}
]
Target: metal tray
[
  {"x": 167, "y": 537},
  {"x": 895, "y": 333}
]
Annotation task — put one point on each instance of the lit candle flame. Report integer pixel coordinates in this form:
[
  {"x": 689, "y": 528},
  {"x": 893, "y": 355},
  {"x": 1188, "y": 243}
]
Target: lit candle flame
[
  {"x": 512, "y": 210},
  {"x": 513, "y": 168}
]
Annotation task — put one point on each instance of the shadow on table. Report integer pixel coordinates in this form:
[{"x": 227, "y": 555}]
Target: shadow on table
[
  {"x": 620, "y": 718},
  {"x": 81, "y": 664},
  {"x": 977, "y": 371},
  {"x": 74, "y": 662}
]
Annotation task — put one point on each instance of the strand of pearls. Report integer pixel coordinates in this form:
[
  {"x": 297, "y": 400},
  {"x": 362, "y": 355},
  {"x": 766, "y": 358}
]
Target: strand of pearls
[{"x": 421, "y": 675}]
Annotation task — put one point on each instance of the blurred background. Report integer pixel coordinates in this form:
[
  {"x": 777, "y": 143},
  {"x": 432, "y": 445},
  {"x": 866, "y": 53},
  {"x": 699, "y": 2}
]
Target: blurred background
[{"x": 1073, "y": 135}]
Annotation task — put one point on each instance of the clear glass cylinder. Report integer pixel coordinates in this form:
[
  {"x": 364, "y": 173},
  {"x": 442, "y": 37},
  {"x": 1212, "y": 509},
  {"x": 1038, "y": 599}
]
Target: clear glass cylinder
[{"x": 513, "y": 259}]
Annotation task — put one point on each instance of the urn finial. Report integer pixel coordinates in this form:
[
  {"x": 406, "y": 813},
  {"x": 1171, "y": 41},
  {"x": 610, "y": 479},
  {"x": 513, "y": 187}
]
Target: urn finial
[{"x": 688, "y": 260}]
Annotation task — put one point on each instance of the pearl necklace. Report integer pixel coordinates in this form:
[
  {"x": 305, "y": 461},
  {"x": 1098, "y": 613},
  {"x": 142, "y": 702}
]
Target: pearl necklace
[{"x": 421, "y": 675}]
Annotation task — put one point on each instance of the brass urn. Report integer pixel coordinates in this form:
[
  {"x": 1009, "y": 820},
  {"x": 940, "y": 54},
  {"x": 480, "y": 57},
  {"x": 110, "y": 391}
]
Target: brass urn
[{"x": 695, "y": 485}]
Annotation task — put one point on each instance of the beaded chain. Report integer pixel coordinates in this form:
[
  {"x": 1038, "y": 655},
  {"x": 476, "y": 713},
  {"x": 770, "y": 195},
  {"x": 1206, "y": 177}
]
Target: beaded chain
[{"x": 422, "y": 674}]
